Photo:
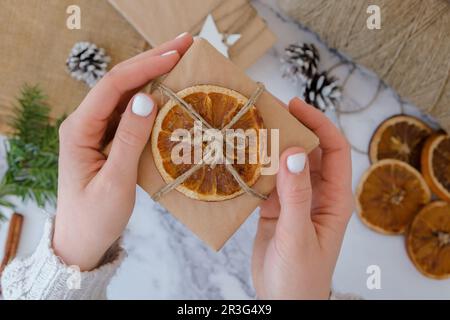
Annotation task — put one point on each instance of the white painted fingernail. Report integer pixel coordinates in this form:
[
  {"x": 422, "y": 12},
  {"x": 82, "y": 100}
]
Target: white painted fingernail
[
  {"x": 142, "y": 105},
  {"x": 296, "y": 162},
  {"x": 168, "y": 53},
  {"x": 182, "y": 35}
]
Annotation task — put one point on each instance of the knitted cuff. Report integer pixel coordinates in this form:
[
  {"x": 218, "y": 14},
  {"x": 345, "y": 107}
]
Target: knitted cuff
[{"x": 43, "y": 275}]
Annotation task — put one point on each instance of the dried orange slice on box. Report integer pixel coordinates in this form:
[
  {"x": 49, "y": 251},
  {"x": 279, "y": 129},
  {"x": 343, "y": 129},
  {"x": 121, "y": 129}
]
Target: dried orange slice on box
[
  {"x": 217, "y": 106},
  {"x": 389, "y": 195},
  {"x": 399, "y": 137},
  {"x": 436, "y": 164},
  {"x": 428, "y": 240}
]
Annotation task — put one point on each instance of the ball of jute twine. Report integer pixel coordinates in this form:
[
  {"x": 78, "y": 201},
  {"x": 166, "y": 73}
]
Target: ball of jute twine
[{"x": 411, "y": 51}]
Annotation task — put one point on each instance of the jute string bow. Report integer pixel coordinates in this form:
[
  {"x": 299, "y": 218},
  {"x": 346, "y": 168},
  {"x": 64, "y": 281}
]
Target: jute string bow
[{"x": 197, "y": 117}]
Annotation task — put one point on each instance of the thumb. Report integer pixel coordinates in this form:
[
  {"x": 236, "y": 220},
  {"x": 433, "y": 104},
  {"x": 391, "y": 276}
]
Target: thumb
[
  {"x": 131, "y": 136},
  {"x": 294, "y": 191}
]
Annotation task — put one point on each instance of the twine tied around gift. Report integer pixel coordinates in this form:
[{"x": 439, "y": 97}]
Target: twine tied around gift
[{"x": 197, "y": 117}]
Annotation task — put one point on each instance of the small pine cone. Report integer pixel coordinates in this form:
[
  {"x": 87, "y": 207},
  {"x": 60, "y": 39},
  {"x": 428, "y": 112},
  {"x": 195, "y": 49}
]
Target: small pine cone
[
  {"x": 300, "y": 61},
  {"x": 322, "y": 91},
  {"x": 87, "y": 63}
]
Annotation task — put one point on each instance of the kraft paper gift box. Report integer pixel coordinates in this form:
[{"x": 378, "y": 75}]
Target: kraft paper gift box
[
  {"x": 215, "y": 222},
  {"x": 161, "y": 20}
]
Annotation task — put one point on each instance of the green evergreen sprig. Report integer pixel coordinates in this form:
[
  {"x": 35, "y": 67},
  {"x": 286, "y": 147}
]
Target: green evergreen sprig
[{"x": 32, "y": 151}]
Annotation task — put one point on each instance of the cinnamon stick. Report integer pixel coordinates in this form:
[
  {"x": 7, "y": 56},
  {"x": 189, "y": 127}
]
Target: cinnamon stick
[{"x": 13, "y": 239}]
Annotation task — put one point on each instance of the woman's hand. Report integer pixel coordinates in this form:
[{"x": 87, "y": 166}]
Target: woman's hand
[
  {"x": 303, "y": 222},
  {"x": 96, "y": 194}
]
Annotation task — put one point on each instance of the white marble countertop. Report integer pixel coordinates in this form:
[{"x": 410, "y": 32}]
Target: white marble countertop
[{"x": 165, "y": 260}]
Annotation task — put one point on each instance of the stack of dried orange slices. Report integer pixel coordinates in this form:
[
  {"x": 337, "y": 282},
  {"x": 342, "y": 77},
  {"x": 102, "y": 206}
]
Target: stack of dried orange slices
[{"x": 409, "y": 161}]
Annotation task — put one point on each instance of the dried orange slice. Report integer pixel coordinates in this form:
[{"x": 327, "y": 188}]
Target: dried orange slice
[
  {"x": 436, "y": 164},
  {"x": 399, "y": 137},
  {"x": 428, "y": 240},
  {"x": 389, "y": 195},
  {"x": 217, "y": 106}
]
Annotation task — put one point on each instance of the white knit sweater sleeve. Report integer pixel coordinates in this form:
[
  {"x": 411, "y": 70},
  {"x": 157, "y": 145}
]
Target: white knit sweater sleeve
[{"x": 43, "y": 275}]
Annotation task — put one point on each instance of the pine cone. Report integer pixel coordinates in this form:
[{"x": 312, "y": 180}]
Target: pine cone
[
  {"x": 301, "y": 61},
  {"x": 87, "y": 63},
  {"x": 322, "y": 91}
]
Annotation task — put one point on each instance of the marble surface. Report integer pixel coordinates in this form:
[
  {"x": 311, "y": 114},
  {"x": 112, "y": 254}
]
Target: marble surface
[{"x": 165, "y": 260}]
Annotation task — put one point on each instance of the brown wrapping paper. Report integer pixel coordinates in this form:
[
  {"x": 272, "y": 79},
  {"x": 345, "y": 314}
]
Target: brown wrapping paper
[
  {"x": 161, "y": 20},
  {"x": 215, "y": 222},
  {"x": 35, "y": 43}
]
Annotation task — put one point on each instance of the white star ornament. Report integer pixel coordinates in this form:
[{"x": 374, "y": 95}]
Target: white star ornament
[{"x": 211, "y": 33}]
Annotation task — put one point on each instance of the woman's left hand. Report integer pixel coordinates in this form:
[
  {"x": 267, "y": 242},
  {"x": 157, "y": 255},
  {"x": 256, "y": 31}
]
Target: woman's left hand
[{"x": 96, "y": 194}]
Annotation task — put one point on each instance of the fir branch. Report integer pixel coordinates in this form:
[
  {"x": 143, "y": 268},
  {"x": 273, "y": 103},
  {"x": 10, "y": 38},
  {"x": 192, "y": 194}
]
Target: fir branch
[
  {"x": 31, "y": 116},
  {"x": 32, "y": 151}
]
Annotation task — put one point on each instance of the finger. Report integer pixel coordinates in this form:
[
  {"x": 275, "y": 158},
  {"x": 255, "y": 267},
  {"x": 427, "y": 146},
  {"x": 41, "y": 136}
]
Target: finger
[
  {"x": 294, "y": 192},
  {"x": 315, "y": 160},
  {"x": 264, "y": 234},
  {"x": 270, "y": 208},
  {"x": 336, "y": 157},
  {"x": 98, "y": 106},
  {"x": 122, "y": 79},
  {"x": 315, "y": 169},
  {"x": 180, "y": 44},
  {"x": 130, "y": 139}
]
